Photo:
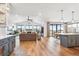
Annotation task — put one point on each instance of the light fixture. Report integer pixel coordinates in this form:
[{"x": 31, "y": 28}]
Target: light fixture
[
  {"x": 62, "y": 14},
  {"x": 29, "y": 19},
  {"x": 73, "y": 16}
]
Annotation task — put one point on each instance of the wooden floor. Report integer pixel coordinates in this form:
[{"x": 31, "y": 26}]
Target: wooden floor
[{"x": 44, "y": 47}]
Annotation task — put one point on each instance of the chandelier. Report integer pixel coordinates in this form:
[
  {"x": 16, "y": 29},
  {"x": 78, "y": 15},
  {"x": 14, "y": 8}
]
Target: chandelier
[{"x": 30, "y": 20}]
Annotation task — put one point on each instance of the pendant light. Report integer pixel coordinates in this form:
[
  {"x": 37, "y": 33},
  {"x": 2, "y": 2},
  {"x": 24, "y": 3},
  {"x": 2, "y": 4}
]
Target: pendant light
[
  {"x": 62, "y": 14},
  {"x": 73, "y": 16}
]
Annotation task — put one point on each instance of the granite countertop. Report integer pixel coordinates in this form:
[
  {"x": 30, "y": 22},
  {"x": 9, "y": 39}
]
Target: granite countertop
[
  {"x": 67, "y": 33},
  {"x": 5, "y": 36}
]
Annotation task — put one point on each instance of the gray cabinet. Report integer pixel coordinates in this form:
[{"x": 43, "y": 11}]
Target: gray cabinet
[
  {"x": 63, "y": 40},
  {"x": 1, "y": 50},
  {"x": 4, "y": 46},
  {"x": 69, "y": 40},
  {"x": 11, "y": 44},
  {"x": 6, "y": 50},
  {"x": 77, "y": 40},
  {"x": 7, "y": 45}
]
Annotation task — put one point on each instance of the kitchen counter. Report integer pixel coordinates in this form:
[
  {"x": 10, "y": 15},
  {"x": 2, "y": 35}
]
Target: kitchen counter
[
  {"x": 5, "y": 36},
  {"x": 67, "y": 33},
  {"x": 7, "y": 44},
  {"x": 69, "y": 39}
]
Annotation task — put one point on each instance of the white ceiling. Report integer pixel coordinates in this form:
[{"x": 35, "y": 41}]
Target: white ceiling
[{"x": 49, "y": 11}]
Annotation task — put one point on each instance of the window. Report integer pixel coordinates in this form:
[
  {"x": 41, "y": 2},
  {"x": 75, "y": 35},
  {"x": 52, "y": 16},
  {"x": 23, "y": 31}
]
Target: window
[
  {"x": 27, "y": 27},
  {"x": 58, "y": 27},
  {"x": 23, "y": 27},
  {"x": 34, "y": 27},
  {"x": 50, "y": 27},
  {"x": 19, "y": 26},
  {"x": 55, "y": 28},
  {"x": 62, "y": 27},
  {"x": 39, "y": 28},
  {"x": 9, "y": 28},
  {"x": 30, "y": 27}
]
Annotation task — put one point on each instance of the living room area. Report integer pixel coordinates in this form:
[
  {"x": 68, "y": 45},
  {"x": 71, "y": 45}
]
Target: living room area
[{"x": 17, "y": 28}]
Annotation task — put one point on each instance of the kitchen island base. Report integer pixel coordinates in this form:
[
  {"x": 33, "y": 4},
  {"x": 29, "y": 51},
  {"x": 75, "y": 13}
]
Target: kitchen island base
[{"x": 7, "y": 45}]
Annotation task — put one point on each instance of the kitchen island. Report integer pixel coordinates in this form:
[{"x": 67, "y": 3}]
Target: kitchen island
[
  {"x": 69, "y": 39},
  {"x": 7, "y": 44}
]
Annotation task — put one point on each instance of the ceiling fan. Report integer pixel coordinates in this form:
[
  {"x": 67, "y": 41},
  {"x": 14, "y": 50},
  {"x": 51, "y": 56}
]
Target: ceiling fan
[{"x": 28, "y": 19}]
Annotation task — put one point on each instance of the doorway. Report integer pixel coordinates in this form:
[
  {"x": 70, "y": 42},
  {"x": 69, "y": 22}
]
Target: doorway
[{"x": 55, "y": 28}]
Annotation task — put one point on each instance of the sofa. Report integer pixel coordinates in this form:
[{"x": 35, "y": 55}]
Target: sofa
[{"x": 29, "y": 36}]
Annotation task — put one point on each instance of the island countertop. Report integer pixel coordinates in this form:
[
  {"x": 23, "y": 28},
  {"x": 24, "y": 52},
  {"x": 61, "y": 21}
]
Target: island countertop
[
  {"x": 67, "y": 33},
  {"x": 5, "y": 36}
]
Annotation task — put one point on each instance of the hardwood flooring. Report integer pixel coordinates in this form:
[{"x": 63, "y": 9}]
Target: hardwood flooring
[{"x": 44, "y": 47}]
